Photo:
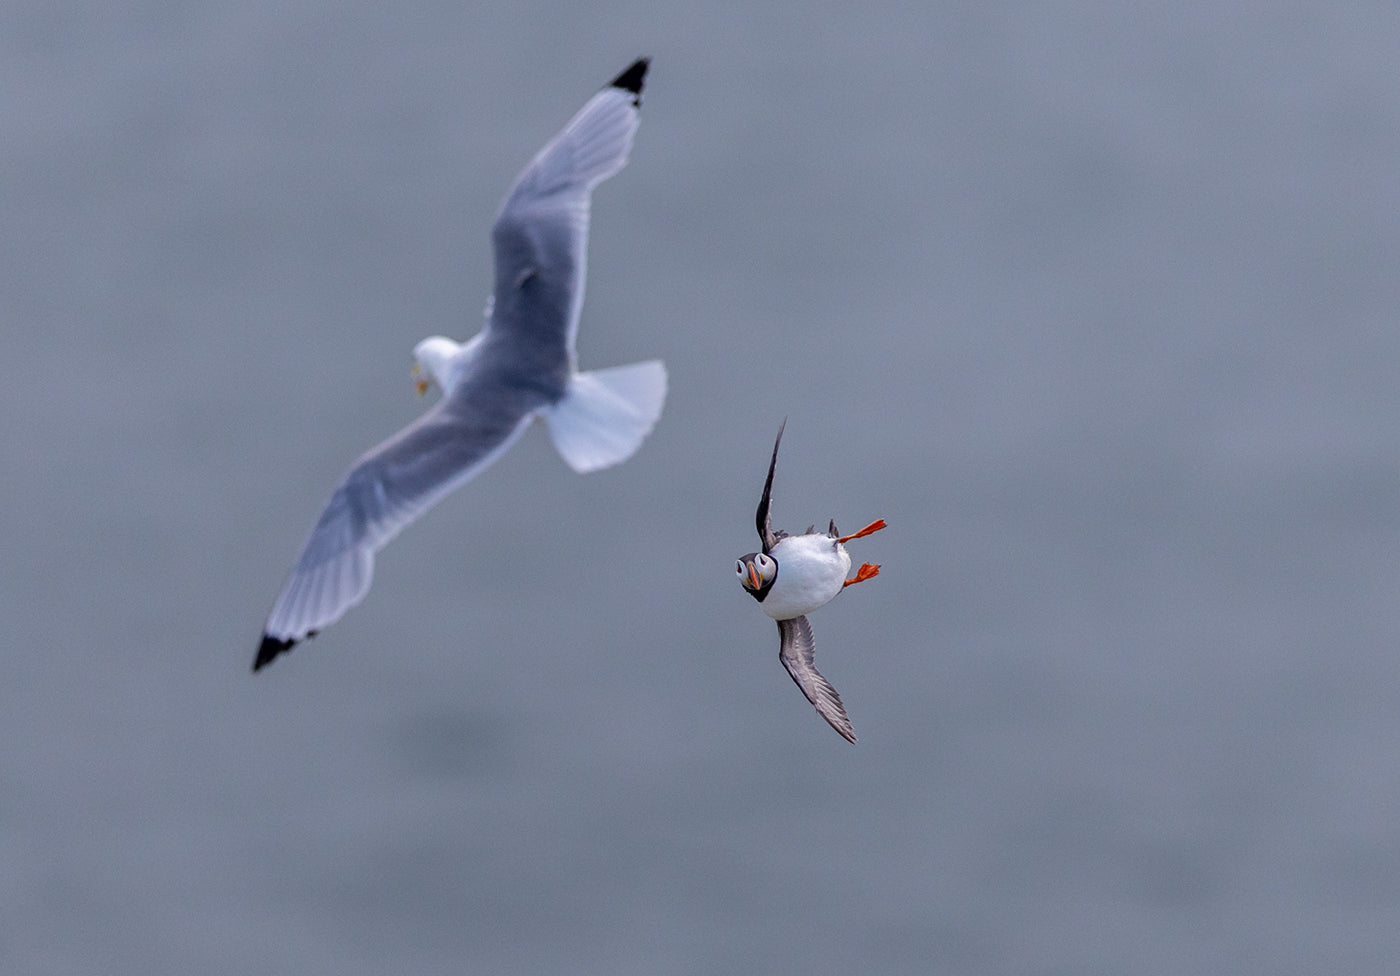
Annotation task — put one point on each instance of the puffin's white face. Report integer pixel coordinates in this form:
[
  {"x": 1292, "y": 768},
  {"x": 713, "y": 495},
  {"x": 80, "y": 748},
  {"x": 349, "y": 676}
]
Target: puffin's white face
[{"x": 756, "y": 572}]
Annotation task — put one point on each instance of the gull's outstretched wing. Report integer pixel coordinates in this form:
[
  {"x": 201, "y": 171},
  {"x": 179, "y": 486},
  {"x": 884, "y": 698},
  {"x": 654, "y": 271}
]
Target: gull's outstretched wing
[
  {"x": 798, "y": 654},
  {"x": 541, "y": 233},
  {"x": 763, "y": 519},
  {"x": 388, "y": 488}
]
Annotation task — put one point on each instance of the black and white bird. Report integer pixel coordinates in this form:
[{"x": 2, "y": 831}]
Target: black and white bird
[
  {"x": 520, "y": 366},
  {"x": 791, "y": 577}
]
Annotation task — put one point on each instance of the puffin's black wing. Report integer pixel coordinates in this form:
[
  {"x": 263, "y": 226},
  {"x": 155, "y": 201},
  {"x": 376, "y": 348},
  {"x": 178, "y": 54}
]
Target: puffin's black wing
[
  {"x": 798, "y": 654},
  {"x": 766, "y": 535}
]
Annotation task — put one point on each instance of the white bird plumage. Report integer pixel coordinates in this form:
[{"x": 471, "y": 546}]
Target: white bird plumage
[
  {"x": 522, "y": 365},
  {"x": 792, "y": 576},
  {"x": 814, "y": 567}
]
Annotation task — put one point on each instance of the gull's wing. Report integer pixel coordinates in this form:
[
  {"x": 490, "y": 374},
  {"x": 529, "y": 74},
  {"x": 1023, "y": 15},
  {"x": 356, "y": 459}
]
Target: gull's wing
[
  {"x": 388, "y": 488},
  {"x": 541, "y": 233},
  {"x": 763, "y": 519},
  {"x": 798, "y": 654}
]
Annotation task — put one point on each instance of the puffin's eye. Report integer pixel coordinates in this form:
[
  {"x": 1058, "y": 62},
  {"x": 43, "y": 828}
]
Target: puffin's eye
[
  {"x": 739, "y": 568},
  {"x": 765, "y": 564}
]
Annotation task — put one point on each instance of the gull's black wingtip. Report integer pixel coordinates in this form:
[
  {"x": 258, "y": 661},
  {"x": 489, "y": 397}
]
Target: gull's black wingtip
[
  {"x": 269, "y": 649},
  {"x": 631, "y": 79}
]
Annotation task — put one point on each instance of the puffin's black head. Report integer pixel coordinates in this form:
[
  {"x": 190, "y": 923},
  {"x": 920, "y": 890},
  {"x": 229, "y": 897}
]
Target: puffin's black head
[{"x": 756, "y": 573}]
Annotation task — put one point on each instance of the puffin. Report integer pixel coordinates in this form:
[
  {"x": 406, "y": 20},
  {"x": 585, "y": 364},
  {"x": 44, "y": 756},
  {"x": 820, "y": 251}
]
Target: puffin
[
  {"x": 520, "y": 367},
  {"x": 794, "y": 575}
]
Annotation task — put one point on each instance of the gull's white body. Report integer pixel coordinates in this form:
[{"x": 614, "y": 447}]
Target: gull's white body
[{"x": 812, "y": 569}]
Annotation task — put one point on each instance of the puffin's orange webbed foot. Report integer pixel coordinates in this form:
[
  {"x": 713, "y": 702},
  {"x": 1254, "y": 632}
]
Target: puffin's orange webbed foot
[
  {"x": 874, "y": 526},
  {"x": 866, "y": 571}
]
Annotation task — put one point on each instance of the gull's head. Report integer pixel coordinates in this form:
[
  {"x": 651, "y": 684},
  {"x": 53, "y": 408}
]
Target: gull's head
[
  {"x": 432, "y": 363},
  {"x": 756, "y": 572}
]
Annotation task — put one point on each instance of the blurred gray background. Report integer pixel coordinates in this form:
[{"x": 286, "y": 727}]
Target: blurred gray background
[{"x": 1095, "y": 304}]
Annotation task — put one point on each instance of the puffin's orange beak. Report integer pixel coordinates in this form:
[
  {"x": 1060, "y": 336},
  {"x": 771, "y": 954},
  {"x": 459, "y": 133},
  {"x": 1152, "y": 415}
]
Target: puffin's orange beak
[
  {"x": 753, "y": 577},
  {"x": 421, "y": 386}
]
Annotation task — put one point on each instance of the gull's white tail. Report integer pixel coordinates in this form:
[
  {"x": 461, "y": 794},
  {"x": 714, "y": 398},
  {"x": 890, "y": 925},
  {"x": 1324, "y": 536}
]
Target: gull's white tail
[{"x": 606, "y": 413}]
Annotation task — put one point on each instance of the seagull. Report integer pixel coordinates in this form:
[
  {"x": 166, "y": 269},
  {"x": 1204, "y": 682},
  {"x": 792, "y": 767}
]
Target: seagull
[
  {"x": 520, "y": 366},
  {"x": 791, "y": 577}
]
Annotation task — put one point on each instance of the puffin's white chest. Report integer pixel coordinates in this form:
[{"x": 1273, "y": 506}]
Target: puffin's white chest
[{"x": 811, "y": 570}]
